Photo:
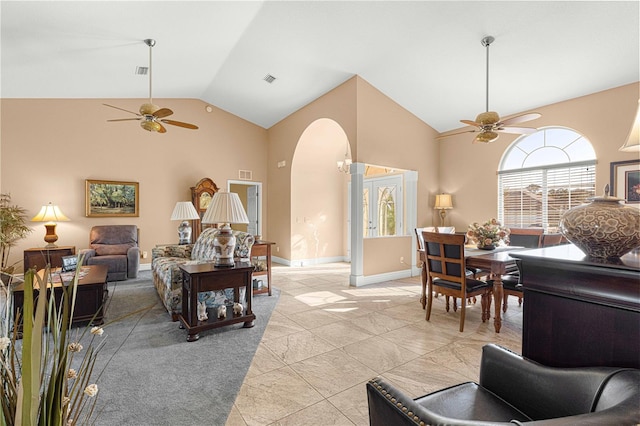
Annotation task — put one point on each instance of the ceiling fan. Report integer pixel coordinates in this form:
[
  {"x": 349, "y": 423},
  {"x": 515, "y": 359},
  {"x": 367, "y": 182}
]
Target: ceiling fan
[
  {"x": 489, "y": 123},
  {"x": 151, "y": 116}
]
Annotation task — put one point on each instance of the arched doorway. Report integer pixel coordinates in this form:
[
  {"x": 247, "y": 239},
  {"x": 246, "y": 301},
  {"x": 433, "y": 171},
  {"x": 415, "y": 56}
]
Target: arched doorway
[{"x": 319, "y": 209}]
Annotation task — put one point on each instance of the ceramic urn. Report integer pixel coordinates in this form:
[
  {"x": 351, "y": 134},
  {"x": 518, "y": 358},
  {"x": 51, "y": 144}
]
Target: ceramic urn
[{"x": 603, "y": 228}]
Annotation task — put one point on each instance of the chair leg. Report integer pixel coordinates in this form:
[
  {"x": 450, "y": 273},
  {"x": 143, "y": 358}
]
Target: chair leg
[
  {"x": 462, "y": 315},
  {"x": 446, "y": 298},
  {"x": 423, "y": 298},
  {"x": 520, "y": 301},
  {"x": 455, "y": 304},
  {"x": 429, "y": 303},
  {"x": 483, "y": 305},
  {"x": 504, "y": 302}
]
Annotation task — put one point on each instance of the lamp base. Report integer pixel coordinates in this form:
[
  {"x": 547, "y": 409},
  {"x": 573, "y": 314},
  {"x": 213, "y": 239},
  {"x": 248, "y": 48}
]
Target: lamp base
[
  {"x": 443, "y": 213},
  {"x": 184, "y": 233},
  {"x": 51, "y": 236},
  {"x": 224, "y": 244}
]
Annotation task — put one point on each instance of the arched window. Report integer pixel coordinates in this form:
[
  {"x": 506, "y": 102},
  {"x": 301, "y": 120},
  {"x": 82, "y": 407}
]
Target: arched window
[{"x": 542, "y": 175}]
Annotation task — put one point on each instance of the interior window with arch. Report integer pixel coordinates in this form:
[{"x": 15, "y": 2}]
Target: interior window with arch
[{"x": 542, "y": 175}]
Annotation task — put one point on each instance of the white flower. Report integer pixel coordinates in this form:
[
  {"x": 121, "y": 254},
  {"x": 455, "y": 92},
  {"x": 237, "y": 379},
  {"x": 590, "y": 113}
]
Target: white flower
[
  {"x": 72, "y": 374},
  {"x": 91, "y": 390},
  {"x": 97, "y": 331},
  {"x": 75, "y": 347},
  {"x": 4, "y": 343}
]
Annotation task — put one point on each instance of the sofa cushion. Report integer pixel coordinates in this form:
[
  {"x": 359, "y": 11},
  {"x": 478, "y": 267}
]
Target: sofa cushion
[
  {"x": 468, "y": 401},
  {"x": 111, "y": 249}
]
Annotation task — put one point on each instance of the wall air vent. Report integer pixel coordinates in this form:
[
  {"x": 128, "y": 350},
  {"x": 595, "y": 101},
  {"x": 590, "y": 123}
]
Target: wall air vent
[
  {"x": 269, "y": 78},
  {"x": 245, "y": 174},
  {"x": 142, "y": 70}
]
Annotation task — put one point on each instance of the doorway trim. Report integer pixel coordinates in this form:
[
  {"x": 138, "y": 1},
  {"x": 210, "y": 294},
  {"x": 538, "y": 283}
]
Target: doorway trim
[{"x": 258, "y": 186}]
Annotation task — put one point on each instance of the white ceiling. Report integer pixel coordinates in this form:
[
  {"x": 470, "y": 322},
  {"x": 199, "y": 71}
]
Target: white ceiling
[{"x": 425, "y": 55}]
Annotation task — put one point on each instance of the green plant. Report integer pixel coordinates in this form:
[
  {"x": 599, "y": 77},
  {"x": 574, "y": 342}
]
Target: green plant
[{"x": 13, "y": 228}]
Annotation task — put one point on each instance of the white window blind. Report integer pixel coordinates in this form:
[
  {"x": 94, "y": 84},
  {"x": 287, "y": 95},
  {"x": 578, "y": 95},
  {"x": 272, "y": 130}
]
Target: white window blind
[{"x": 537, "y": 197}]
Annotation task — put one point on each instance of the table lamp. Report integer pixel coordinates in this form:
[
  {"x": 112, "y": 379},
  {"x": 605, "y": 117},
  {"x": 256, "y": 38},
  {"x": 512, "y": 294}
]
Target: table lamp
[
  {"x": 184, "y": 211},
  {"x": 50, "y": 214},
  {"x": 225, "y": 208},
  {"x": 443, "y": 202}
]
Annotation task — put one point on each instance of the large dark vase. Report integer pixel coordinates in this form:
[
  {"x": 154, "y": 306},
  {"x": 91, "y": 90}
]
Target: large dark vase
[{"x": 604, "y": 228}]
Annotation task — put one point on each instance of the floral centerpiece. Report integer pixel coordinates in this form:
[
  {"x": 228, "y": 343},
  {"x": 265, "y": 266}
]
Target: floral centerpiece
[{"x": 489, "y": 234}]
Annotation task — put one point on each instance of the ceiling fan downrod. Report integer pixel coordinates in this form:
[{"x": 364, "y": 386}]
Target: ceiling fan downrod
[
  {"x": 150, "y": 42},
  {"x": 486, "y": 42}
]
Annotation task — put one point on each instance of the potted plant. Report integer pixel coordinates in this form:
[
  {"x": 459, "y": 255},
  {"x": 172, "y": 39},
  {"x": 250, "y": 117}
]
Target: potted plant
[{"x": 13, "y": 227}]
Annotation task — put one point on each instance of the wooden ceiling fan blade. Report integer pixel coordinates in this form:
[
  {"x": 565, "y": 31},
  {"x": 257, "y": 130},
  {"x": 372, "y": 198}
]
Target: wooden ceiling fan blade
[
  {"x": 126, "y": 119},
  {"x": 163, "y": 112},
  {"x": 161, "y": 129},
  {"x": 180, "y": 124},
  {"x": 122, "y": 109},
  {"x": 517, "y": 130},
  {"x": 470, "y": 123},
  {"x": 456, "y": 133},
  {"x": 520, "y": 118}
]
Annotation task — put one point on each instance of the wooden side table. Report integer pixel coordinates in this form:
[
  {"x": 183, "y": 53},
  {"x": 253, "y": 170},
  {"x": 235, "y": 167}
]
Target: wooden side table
[
  {"x": 263, "y": 249},
  {"x": 39, "y": 257},
  {"x": 206, "y": 277}
]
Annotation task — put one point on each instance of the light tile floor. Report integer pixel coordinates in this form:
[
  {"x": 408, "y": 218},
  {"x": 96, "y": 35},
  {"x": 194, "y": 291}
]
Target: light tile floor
[{"x": 326, "y": 339}]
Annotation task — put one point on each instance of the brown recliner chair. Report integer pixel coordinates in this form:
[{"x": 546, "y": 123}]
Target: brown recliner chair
[
  {"x": 115, "y": 246},
  {"x": 515, "y": 390}
]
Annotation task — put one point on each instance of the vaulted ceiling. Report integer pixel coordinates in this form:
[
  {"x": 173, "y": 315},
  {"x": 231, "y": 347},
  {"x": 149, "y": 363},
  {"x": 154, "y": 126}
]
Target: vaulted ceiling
[{"x": 425, "y": 55}]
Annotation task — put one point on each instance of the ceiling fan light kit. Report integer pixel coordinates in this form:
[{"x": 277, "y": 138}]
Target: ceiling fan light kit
[
  {"x": 151, "y": 116},
  {"x": 488, "y": 123}
]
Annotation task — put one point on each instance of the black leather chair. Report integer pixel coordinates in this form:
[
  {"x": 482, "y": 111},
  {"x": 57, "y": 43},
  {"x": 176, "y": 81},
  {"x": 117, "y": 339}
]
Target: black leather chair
[{"x": 515, "y": 390}]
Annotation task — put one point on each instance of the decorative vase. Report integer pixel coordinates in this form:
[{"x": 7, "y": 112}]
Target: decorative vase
[
  {"x": 604, "y": 228},
  {"x": 491, "y": 247}
]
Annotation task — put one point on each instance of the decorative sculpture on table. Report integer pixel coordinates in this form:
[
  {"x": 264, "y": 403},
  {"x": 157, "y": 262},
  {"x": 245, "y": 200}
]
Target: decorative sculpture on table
[
  {"x": 237, "y": 309},
  {"x": 222, "y": 311},
  {"x": 202, "y": 311}
]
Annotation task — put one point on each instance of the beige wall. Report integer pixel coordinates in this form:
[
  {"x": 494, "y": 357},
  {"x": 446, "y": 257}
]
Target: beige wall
[
  {"x": 468, "y": 171},
  {"x": 338, "y": 105},
  {"x": 49, "y": 148}
]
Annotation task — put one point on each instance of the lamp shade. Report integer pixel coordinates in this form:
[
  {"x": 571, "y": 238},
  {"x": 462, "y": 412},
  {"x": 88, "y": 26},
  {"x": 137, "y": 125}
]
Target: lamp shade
[
  {"x": 633, "y": 140},
  {"x": 443, "y": 202},
  {"x": 50, "y": 213},
  {"x": 225, "y": 207},
  {"x": 184, "y": 210}
]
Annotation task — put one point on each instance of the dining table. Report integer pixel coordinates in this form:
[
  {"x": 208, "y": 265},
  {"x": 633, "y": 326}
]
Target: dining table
[{"x": 496, "y": 263}]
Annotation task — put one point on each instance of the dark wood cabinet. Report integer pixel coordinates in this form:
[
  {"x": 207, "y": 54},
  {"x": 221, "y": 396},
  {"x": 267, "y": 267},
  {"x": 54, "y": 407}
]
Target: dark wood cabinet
[
  {"x": 39, "y": 257},
  {"x": 579, "y": 312}
]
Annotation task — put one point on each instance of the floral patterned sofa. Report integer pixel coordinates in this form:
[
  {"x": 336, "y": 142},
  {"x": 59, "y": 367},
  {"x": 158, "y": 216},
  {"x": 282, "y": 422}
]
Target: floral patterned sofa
[{"x": 167, "y": 276}]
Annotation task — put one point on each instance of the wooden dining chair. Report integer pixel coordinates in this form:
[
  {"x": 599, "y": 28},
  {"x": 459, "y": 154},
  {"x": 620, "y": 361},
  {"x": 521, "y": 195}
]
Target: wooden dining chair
[
  {"x": 549, "y": 240},
  {"x": 447, "y": 273},
  {"x": 421, "y": 257},
  {"x": 526, "y": 237}
]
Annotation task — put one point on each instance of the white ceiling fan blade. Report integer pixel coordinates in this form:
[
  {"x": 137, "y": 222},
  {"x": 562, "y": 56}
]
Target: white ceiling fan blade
[
  {"x": 520, "y": 118},
  {"x": 518, "y": 130}
]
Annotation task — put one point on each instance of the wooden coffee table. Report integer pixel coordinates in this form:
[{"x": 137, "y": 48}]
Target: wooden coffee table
[{"x": 92, "y": 290}]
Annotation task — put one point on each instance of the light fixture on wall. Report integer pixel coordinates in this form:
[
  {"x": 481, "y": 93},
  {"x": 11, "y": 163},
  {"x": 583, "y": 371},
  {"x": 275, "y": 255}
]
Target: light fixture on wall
[
  {"x": 633, "y": 140},
  {"x": 225, "y": 208},
  {"x": 443, "y": 203},
  {"x": 185, "y": 212},
  {"x": 50, "y": 214},
  {"x": 344, "y": 166}
]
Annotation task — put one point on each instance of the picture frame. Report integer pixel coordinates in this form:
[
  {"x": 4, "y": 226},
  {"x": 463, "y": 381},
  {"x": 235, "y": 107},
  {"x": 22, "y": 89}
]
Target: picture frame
[
  {"x": 625, "y": 180},
  {"x": 110, "y": 198}
]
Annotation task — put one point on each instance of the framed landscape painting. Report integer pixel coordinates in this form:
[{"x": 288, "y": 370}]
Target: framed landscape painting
[
  {"x": 108, "y": 198},
  {"x": 625, "y": 180}
]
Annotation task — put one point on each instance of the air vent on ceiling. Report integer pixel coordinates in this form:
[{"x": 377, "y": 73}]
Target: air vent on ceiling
[
  {"x": 269, "y": 78},
  {"x": 142, "y": 70},
  {"x": 245, "y": 174}
]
